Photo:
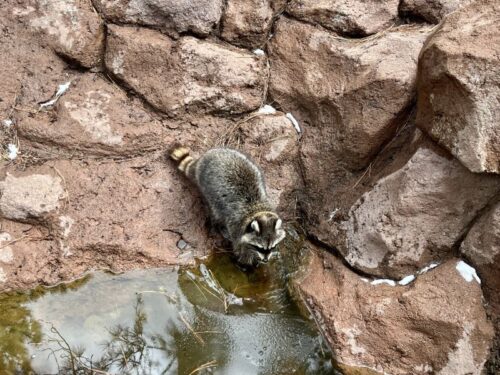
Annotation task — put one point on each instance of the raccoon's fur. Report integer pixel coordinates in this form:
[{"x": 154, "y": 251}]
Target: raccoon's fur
[{"x": 234, "y": 191}]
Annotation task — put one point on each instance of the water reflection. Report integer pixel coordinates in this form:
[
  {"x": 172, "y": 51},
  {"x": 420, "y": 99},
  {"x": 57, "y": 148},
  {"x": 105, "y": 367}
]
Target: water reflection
[{"x": 213, "y": 319}]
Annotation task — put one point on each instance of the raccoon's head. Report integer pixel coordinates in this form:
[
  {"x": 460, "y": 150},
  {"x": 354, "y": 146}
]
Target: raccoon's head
[{"x": 262, "y": 234}]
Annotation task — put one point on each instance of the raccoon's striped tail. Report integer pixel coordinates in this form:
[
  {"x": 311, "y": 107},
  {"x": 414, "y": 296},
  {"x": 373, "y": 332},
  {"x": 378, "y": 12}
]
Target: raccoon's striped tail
[{"x": 184, "y": 160}]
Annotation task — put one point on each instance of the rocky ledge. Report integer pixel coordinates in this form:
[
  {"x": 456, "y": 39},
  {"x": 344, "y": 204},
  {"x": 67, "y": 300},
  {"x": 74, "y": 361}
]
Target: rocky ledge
[{"x": 376, "y": 125}]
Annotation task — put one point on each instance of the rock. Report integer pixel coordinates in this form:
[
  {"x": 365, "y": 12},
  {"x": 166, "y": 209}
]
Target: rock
[
  {"x": 117, "y": 215},
  {"x": 415, "y": 215},
  {"x": 272, "y": 142},
  {"x": 95, "y": 116},
  {"x": 26, "y": 81},
  {"x": 432, "y": 11},
  {"x": 192, "y": 75},
  {"x": 354, "y": 18},
  {"x": 71, "y": 27},
  {"x": 459, "y": 86},
  {"x": 437, "y": 324},
  {"x": 350, "y": 93},
  {"x": 171, "y": 16},
  {"x": 149, "y": 215},
  {"x": 32, "y": 262},
  {"x": 31, "y": 196},
  {"x": 481, "y": 247},
  {"x": 247, "y": 23}
]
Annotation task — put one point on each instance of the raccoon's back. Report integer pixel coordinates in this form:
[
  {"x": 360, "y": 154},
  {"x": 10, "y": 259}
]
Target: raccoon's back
[{"x": 229, "y": 181}]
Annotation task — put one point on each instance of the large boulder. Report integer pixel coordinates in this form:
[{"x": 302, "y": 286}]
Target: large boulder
[
  {"x": 436, "y": 324},
  {"x": 96, "y": 116},
  {"x": 103, "y": 214},
  {"x": 459, "y": 86},
  {"x": 171, "y": 16},
  {"x": 414, "y": 215},
  {"x": 481, "y": 247},
  {"x": 72, "y": 28},
  {"x": 432, "y": 11},
  {"x": 355, "y": 18},
  {"x": 188, "y": 75},
  {"x": 351, "y": 93}
]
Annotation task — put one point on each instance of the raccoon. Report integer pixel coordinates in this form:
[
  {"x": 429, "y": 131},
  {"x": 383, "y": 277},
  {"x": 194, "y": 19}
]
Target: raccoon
[{"x": 234, "y": 191}]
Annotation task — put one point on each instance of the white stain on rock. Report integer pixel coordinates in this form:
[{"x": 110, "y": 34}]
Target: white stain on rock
[
  {"x": 467, "y": 272},
  {"x": 12, "y": 151},
  {"x": 383, "y": 281},
  {"x": 425, "y": 368},
  {"x": 406, "y": 280},
  {"x": 58, "y": 18},
  {"x": 266, "y": 110},
  {"x": 276, "y": 149},
  {"x": 117, "y": 63},
  {"x": 352, "y": 334},
  {"x": 461, "y": 360},
  {"x": 294, "y": 122},
  {"x": 428, "y": 268},
  {"x": 65, "y": 222},
  {"x": 3, "y": 276},
  {"x": 92, "y": 115},
  {"x": 7, "y": 123},
  {"x": 6, "y": 254},
  {"x": 61, "y": 90}
]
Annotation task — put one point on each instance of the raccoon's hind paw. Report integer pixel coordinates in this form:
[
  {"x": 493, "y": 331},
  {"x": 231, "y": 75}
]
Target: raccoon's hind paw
[{"x": 179, "y": 152}]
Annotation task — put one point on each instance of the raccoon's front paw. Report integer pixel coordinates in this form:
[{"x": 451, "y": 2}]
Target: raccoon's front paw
[{"x": 246, "y": 256}]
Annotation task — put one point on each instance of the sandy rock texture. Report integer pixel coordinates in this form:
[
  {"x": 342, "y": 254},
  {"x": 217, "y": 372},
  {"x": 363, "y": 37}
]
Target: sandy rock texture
[
  {"x": 247, "y": 23},
  {"x": 346, "y": 17},
  {"x": 377, "y": 133},
  {"x": 415, "y": 215},
  {"x": 96, "y": 115},
  {"x": 351, "y": 93},
  {"x": 98, "y": 213},
  {"x": 29, "y": 197},
  {"x": 72, "y": 28},
  {"x": 172, "y": 16},
  {"x": 188, "y": 75},
  {"x": 436, "y": 324},
  {"x": 459, "y": 86}
]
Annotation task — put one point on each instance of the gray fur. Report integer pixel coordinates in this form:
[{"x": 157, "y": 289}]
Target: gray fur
[{"x": 234, "y": 190}]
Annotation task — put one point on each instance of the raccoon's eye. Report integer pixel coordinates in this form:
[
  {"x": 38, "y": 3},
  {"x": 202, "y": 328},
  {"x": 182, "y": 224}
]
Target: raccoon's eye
[{"x": 261, "y": 249}]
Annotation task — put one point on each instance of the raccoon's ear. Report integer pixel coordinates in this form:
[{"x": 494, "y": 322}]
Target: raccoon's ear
[
  {"x": 255, "y": 226},
  {"x": 278, "y": 224}
]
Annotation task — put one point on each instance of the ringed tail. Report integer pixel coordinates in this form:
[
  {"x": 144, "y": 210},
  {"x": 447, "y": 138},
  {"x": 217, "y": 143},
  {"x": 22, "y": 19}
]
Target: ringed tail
[{"x": 184, "y": 160}]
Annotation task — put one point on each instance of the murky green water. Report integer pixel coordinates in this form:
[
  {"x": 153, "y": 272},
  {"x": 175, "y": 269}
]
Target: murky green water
[{"x": 212, "y": 319}]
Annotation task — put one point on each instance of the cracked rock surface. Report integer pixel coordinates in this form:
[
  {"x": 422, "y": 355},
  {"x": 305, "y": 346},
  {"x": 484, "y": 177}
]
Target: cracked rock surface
[{"x": 377, "y": 135}]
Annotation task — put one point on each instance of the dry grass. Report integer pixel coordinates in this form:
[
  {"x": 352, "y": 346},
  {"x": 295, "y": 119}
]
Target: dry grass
[
  {"x": 204, "y": 366},
  {"x": 230, "y": 137},
  {"x": 26, "y": 237},
  {"x": 190, "y": 328}
]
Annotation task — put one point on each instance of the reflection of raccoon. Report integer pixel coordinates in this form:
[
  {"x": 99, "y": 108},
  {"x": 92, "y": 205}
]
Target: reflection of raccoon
[{"x": 233, "y": 188}]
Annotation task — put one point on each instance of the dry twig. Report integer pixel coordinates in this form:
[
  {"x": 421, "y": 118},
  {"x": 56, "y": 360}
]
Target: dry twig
[
  {"x": 204, "y": 366},
  {"x": 195, "y": 334}
]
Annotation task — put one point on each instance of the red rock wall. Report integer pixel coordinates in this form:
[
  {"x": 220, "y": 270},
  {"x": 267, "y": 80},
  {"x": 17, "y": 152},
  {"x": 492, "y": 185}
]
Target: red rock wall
[{"x": 385, "y": 146}]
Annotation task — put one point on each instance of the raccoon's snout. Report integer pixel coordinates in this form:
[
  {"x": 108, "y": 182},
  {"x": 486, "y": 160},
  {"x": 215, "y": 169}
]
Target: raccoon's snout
[{"x": 265, "y": 256}]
